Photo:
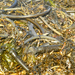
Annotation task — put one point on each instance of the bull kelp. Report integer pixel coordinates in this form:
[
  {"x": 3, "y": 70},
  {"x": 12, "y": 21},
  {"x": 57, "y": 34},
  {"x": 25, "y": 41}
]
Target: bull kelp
[{"x": 36, "y": 38}]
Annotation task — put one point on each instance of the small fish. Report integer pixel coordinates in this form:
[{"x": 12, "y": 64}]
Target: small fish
[{"x": 4, "y": 35}]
